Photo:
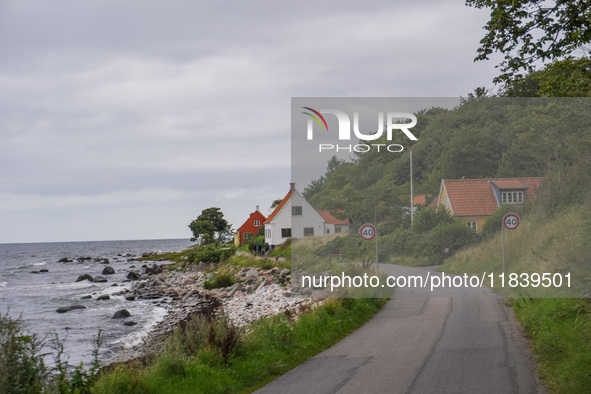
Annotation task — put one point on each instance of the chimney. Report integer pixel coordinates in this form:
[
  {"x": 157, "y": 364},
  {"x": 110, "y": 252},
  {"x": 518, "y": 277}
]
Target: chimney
[
  {"x": 258, "y": 210},
  {"x": 292, "y": 187}
]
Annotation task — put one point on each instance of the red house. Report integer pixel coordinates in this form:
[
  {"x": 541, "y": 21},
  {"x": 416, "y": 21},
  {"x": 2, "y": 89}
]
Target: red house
[{"x": 250, "y": 227}]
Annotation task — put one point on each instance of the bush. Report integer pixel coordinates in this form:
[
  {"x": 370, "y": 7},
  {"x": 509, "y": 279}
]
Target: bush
[
  {"x": 220, "y": 280},
  {"x": 210, "y": 254},
  {"x": 22, "y": 369},
  {"x": 494, "y": 223}
]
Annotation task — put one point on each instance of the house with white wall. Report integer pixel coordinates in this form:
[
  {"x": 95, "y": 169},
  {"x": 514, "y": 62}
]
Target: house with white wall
[{"x": 294, "y": 217}]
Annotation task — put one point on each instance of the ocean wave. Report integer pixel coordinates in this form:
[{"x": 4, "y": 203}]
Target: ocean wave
[
  {"x": 3, "y": 284},
  {"x": 133, "y": 340},
  {"x": 41, "y": 263}
]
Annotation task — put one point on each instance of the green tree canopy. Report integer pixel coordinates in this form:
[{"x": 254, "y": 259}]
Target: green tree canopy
[
  {"x": 210, "y": 227},
  {"x": 528, "y": 31}
]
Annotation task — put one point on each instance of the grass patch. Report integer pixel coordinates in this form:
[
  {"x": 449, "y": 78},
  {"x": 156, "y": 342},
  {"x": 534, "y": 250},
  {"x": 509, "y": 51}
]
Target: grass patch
[
  {"x": 560, "y": 333},
  {"x": 252, "y": 261},
  {"x": 192, "y": 362},
  {"x": 223, "y": 279}
]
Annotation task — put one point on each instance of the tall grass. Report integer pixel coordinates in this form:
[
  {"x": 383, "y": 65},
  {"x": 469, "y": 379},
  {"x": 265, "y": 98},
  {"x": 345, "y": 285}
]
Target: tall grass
[
  {"x": 194, "y": 359},
  {"x": 23, "y": 368}
]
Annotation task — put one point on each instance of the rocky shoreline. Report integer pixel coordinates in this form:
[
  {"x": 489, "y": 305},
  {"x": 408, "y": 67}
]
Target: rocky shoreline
[{"x": 256, "y": 293}]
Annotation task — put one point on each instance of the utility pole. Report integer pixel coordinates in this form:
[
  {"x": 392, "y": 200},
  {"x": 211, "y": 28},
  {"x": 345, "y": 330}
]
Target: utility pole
[{"x": 411, "y": 193}]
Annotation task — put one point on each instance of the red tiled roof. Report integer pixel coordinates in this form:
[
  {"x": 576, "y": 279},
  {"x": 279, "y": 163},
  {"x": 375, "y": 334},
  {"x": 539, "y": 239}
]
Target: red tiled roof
[
  {"x": 433, "y": 203},
  {"x": 470, "y": 197},
  {"x": 509, "y": 183},
  {"x": 532, "y": 183},
  {"x": 278, "y": 207},
  {"x": 328, "y": 218},
  {"x": 420, "y": 199},
  {"x": 475, "y": 197}
]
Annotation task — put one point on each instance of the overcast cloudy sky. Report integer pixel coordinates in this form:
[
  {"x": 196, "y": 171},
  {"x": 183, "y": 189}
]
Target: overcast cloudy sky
[{"x": 124, "y": 119}]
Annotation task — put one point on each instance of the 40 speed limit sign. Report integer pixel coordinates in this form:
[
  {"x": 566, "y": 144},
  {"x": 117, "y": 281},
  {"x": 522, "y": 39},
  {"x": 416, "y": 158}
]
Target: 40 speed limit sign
[
  {"x": 511, "y": 221},
  {"x": 367, "y": 231}
]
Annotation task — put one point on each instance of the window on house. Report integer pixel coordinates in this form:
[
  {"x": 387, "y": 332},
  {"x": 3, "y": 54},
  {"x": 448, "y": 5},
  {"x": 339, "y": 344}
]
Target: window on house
[
  {"x": 296, "y": 210},
  {"x": 308, "y": 231},
  {"x": 472, "y": 225},
  {"x": 514, "y": 197},
  {"x": 328, "y": 231},
  {"x": 247, "y": 236},
  {"x": 268, "y": 233},
  {"x": 285, "y": 233},
  {"x": 257, "y": 223},
  {"x": 337, "y": 229}
]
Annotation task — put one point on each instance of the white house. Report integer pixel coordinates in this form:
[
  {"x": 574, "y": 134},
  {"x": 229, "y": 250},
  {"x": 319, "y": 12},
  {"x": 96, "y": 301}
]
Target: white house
[
  {"x": 294, "y": 217},
  {"x": 332, "y": 225}
]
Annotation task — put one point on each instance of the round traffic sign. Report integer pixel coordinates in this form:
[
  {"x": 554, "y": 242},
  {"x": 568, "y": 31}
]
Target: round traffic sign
[
  {"x": 511, "y": 221},
  {"x": 367, "y": 231}
]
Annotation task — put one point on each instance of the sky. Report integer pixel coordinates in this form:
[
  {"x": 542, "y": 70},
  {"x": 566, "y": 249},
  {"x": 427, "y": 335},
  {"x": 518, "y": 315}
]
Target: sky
[{"x": 125, "y": 119}]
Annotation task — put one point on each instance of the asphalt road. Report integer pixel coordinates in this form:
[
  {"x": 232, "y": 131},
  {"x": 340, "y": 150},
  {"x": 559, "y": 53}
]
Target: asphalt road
[{"x": 451, "y": 340}]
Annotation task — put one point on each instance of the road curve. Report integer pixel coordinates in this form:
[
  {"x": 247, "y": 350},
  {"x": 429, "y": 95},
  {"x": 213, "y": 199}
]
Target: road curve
[{"x": 451, "y": 340}]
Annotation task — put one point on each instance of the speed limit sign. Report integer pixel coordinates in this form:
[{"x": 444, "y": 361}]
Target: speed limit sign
[
  {"x": 511, "y": 221},
  {"x": 367, "y": 231}
]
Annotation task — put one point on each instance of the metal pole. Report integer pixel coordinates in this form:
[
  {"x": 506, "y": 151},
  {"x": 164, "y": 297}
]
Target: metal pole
[
  {"x": 411, "y": 192},
  {"x": 376, "y": 226},
  {"x": 503, "y": 230}
]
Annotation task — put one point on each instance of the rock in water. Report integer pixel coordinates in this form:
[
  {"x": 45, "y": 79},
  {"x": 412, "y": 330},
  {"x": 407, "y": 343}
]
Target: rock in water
[
  {"x": 133, "y": 275},
  {"x": 85, "y": 277},
  {"x": 121, "y": 314},
  {"x": 65, "y": 309},
  {"x": 100, "y": 279},
  {"x": 108, "y": 270}
]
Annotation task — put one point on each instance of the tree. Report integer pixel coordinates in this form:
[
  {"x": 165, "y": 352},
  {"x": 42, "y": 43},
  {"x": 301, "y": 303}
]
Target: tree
[
  {"x": 563, "y": 78},
  {"x": 210, "y": 223},
  {"x": 528, "y": 31}
]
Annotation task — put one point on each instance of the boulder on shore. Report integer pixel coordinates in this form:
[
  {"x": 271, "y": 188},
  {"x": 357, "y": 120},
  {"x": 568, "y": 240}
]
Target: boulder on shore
[
  {"x": 85, "y": 277},
  {"x": 103, "y": 297},
  {"x": 100, "y": 279},
  {"x": 108, "y": 270},
  {"x": 133, "y": 275},
  {"x": 65, "y": 309},
  {"x": 121, "y": 314}
]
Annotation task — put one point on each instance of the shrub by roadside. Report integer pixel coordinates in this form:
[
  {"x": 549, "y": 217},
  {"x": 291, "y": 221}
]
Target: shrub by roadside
[{"x": 270, "y": 348}]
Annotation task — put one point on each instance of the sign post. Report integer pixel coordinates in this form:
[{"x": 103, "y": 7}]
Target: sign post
[
  {"x": 511, "y": 222},
  {"x": 369, "y": 232}
]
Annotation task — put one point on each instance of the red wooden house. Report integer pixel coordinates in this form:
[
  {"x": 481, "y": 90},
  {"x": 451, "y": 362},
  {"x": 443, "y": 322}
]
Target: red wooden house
[{"x": 250, "y": 227}]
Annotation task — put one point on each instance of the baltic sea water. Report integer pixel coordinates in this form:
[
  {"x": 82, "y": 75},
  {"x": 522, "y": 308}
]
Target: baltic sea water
[{"x": 35, "y": 297}]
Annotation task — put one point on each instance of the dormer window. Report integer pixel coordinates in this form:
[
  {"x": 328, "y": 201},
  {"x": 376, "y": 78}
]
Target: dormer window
[{"x": 512, "y": 197}]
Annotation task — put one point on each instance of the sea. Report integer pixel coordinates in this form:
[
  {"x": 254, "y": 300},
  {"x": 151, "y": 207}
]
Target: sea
[{"x": 34, "y": 296}]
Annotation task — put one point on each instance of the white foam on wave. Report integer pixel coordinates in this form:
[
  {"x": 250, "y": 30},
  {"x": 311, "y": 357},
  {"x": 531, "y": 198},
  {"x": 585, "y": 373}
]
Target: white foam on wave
[
  {"x": 115, "y": 289},
  {"x": 133, "y": 340},
  {"x": 41, "y": 263},
  {"x": 3, "y": 284},
  {"x": 76, "y": 285}
]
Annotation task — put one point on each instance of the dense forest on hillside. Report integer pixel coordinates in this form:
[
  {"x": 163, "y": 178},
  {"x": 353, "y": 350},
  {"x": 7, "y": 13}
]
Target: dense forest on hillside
[{"x": 482, "y": 137}]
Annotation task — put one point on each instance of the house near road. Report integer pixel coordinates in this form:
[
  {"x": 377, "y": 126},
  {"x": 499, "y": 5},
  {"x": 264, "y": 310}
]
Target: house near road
[
  {"x": 294, "y": 217},
  {"x": 250, "y": 227},
  {"x": 473, "y": 200},
  {"x": 332, "y": 225}
]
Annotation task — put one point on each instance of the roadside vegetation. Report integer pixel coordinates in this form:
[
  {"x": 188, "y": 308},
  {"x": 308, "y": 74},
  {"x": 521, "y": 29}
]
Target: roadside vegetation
[
  {"x": 213, "y": 357},
  {"x": 23, "y": 366}
]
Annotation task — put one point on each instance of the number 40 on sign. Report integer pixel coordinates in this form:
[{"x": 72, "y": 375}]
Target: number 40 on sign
[{"x": 367, "y": 231}]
